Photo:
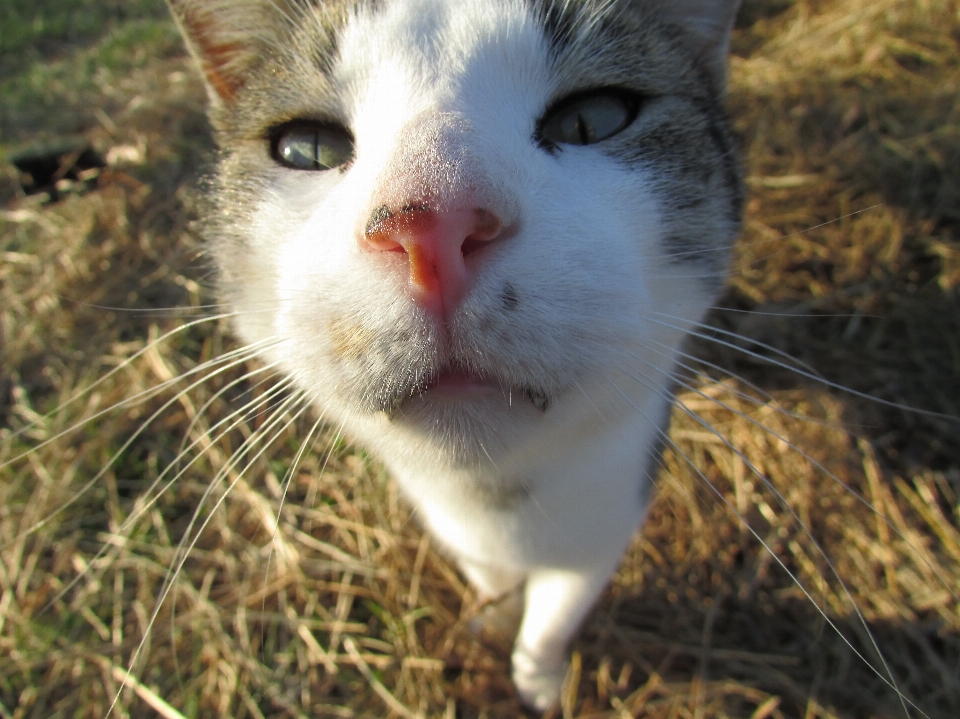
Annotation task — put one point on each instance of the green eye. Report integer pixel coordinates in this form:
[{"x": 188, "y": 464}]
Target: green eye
[
  {"x": 587, "y": 119},
  {"x": 309, "y": 146}
]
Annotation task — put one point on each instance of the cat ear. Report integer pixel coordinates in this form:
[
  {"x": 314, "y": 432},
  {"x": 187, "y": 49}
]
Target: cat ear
[
  {"x": 222, "y": 37},
  {"x": 706, "y": 25}
]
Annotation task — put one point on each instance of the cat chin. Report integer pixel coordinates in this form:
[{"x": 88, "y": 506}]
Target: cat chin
[{"x": 472, "y": 431}]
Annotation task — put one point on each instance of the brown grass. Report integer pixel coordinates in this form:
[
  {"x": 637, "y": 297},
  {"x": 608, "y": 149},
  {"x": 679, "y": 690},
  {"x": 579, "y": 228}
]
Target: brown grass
[{"x": 336, "y": 605}]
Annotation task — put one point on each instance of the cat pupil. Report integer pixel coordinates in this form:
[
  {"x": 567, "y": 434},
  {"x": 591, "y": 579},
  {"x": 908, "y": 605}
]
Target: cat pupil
[
  {"x": 588, "y": 120},
  {"x": 315, "y": 148},
  {"x": 583, "y": 130}
]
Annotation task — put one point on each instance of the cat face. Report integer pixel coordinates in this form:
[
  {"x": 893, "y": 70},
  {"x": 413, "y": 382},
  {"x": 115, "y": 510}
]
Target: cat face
[{"x": 456, "y": 221}]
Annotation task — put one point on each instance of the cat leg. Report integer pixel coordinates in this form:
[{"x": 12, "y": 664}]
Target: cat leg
[
  {"x": 499, "y": 591},
  {"x": 557, "y": 601},
  {"x": 490, "y": 580}
]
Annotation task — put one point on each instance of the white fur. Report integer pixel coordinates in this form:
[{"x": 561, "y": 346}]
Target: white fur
[{"x": 590, "y": 278}]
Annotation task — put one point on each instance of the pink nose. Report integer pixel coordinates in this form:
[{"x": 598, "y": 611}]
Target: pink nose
[{"x": 436, "y": 243}]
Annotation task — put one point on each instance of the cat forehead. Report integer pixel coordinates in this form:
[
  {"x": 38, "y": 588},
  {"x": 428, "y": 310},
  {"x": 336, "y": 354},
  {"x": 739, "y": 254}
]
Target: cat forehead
[
  {"x": 446, "y": 34},
  {"x": 332, "y": 60},
  {"x": 267, "y": 62},
  {"x": 428, "y": 20},
  {"x": 430, "y": 48},
  {"x": 577, "y": 30},
  {"x": 436, "y": 31}
]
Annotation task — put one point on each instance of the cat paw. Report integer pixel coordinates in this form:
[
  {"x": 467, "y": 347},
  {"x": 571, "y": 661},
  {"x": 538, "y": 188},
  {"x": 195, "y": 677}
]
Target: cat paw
[
  {"x": 499, "y": 619},
  {"x": 538, "y": 685}
]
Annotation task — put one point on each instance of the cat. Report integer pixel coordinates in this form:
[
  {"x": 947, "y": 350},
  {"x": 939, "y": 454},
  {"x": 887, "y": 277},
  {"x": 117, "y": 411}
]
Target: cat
[{"x": 475, "y": 233}]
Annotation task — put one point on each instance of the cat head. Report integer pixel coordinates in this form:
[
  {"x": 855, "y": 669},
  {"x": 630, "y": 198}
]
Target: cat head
[{"x": 453, "y": 218}]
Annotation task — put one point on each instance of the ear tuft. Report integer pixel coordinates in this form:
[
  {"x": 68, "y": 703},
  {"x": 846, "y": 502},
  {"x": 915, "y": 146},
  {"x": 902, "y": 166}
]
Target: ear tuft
[
  {"x": 220, "y": 36},
  {"x": 707, "y": 25}
]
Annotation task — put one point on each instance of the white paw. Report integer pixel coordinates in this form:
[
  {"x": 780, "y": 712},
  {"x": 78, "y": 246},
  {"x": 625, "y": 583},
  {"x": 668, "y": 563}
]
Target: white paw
[
  {"x": 538, "y": 683},
  {"x": 500, "y": 618}
]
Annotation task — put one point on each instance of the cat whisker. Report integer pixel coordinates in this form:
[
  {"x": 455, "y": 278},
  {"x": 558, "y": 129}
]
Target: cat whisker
[
  {"x": 150, "y": 497},
  {"x": 808, "y": 315},
  {"x": 887, "y": 677},
  {"x": 174, "y": 311},
  {"x": 674, "y": 377},
  {"x": 225, "y": 364},
  {"x": 755, "y": 243},
  {"x": 765, "y": 397},
  {"x": 249, "y": 444},
  {"x": 786, "y": 356},
  {"x": 285, "y": 484},
  {"x": 811, "y": 374},
  {"x": 699, "y": 276},
  {"x": 193, "y": 530},
  {"x": 135, "y": 399}
]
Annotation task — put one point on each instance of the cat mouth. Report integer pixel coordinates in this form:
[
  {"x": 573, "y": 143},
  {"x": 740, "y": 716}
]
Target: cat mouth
[
  {"x": 458, "y": 385},
  {"x": 454, "y": 385}
]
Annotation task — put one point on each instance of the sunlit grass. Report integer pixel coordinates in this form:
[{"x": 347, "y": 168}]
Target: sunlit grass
[{"x": 336, "y": 605}]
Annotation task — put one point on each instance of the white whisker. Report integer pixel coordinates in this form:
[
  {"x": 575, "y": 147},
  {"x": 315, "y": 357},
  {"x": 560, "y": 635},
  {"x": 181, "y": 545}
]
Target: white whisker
[
  {"x": 243, "y": 357},
  {"x": 187, "y": 544},
  {"x": 149, "y": 497},
  {"x": 755, "y": 243},
  {"x": 781, "y": 438},
  {"x": 245, "y": 352},
  {"x": 888, "y": 679},
  {"x": 766, "y": 398},
  {"x": 811, "y": 374}
]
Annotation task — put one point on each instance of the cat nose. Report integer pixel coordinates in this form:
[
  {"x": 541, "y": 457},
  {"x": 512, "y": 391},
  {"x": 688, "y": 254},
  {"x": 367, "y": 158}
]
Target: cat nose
[{"x": 437, "y": 243}]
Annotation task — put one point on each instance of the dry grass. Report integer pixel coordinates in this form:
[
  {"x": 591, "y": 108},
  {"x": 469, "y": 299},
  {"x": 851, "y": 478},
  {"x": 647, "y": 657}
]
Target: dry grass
[{"x": 335, "y": 604}]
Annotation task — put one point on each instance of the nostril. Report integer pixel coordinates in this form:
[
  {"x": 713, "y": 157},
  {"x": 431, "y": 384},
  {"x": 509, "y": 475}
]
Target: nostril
[
  {"x": 436, "y": 242},
  {"x": 471, "y": 245},
  {"x": 389, "y": 231},
  {"x": 383, "y": 242},
  {"x": 486, "y": 228}
]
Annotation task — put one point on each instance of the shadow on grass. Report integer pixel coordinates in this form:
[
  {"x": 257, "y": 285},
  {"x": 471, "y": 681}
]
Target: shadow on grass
[{"x": 783, "y": 647}]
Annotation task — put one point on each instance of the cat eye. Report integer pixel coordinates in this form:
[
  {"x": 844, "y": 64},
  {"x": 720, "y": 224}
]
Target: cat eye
[
  {"x": 588, "y": 119},
  {"x": 311, "y": 146}
]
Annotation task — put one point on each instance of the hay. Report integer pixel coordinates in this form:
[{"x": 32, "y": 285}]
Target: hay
[{"x": 336, "y": 605}]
